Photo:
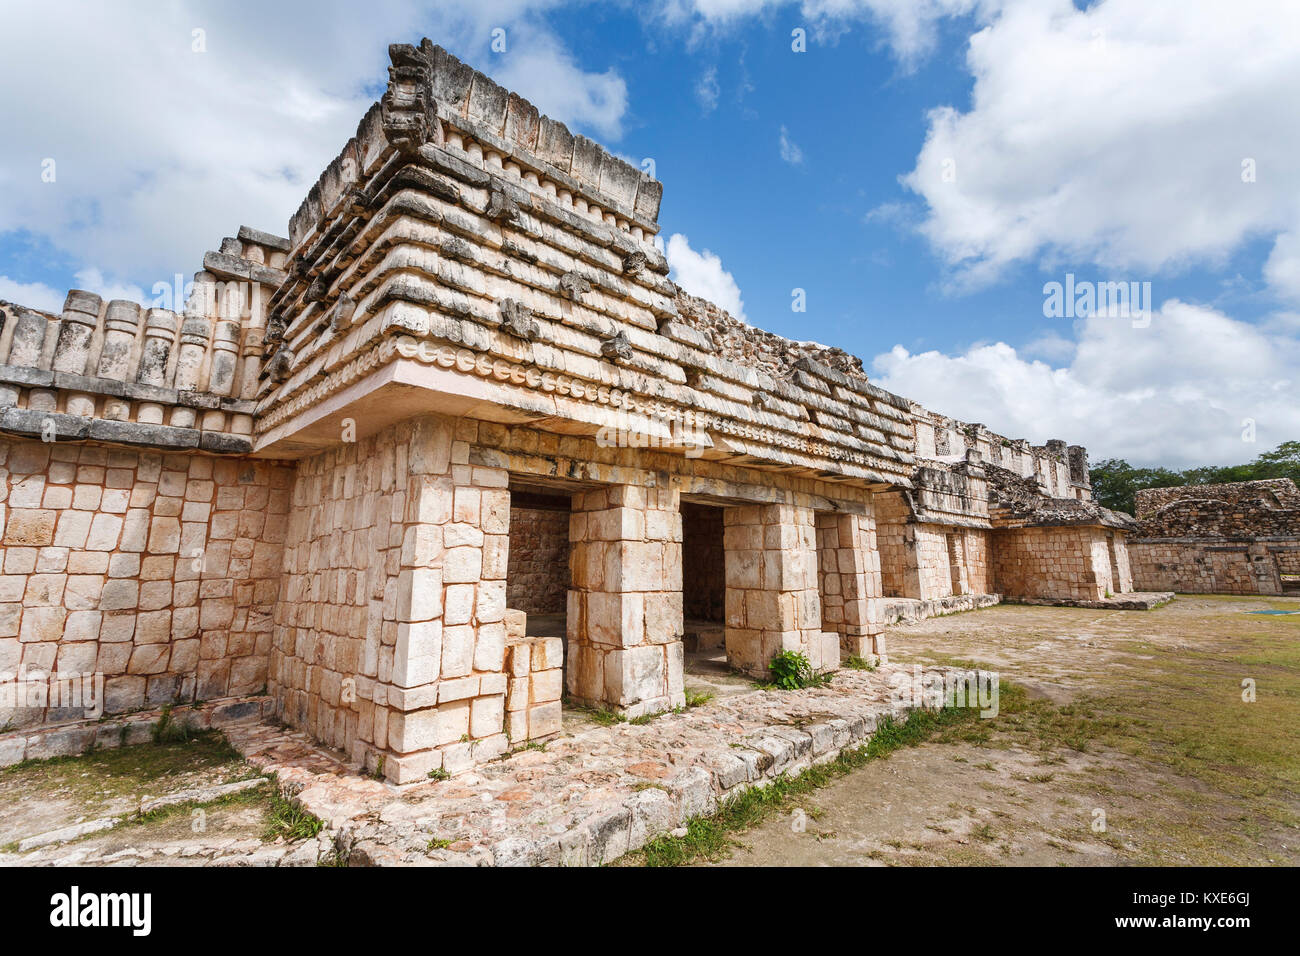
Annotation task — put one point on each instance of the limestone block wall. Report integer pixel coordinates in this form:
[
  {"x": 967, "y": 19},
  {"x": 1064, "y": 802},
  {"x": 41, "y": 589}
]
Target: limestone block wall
[
  {"x": 932, "y": 572},
  {"x": 1211, "y": 566},
  {"x": 848, "y": 565},
  {"x": 1237, "y": 538},
  {"x": 1121, "y": 565},
  {"x": 537, "y": 577},
  {"x": 891, "y": 538},
  {"x": 390, "y": 635},
  {"x": 773, "y": 598},
  {"x": 625, "y": 606},
  {"x": 1065, "y": 562},
  {"x": 158, "y": 571},
  {"x": 536, "y": 687},
  {"x": 971, "y": 549}
]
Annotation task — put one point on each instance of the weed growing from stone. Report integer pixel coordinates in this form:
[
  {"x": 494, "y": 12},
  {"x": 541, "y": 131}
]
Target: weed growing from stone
[
  {"x": 168, "y": 730},
  {"x": 290, "y": 821},
  {"x": 791, "y": 670}
]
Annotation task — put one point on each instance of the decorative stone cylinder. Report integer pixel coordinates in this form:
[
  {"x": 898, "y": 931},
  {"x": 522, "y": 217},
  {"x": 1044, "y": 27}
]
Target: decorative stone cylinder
[
  {"x": 195, "y": 333},
  {"x": 120, "y": 327},
  {"x": 252, "y": 353},
  {"x": 225, "y": 349},
  {"x": 75, "y": 332},
  {"x": 196, "y": 330},
  {"x": 159, "y": 334},
  {"x": 29, "y": 338}
]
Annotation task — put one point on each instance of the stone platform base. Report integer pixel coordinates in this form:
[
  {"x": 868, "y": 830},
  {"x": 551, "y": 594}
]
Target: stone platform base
[
  {"x": 1132, "y": 601},
  {"x": 77, "y": 737},
  {"x": 911, "y": 610},
  {"x": 587, "y": 797}
]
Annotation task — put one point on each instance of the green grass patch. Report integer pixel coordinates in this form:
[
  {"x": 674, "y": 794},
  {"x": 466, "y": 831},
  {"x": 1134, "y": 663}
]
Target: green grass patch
[{"x": 287, "y": 819}]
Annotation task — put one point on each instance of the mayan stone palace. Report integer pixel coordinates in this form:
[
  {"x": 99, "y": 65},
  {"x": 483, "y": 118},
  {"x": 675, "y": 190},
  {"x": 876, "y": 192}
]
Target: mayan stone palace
[{"x": 456, "y": 454}]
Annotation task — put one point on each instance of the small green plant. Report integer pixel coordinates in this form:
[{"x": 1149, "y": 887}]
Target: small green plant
[
  {"x": 438, "y": 843},
  {"x": 170, "y": 731},
  {"x": 289, "y": 820},
  {"x": 856, "y": 663},
  {"x": 697, "y": 700},
  {"x": 791, "y": 670},
  {"x": 378, "y": 772},
  {"x": 439, "y": 774}
]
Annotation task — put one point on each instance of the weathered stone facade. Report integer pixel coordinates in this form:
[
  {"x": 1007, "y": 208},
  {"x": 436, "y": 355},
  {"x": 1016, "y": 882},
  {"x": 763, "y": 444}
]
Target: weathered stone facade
[
  {"x": 460, "y": 398},
  {"x": 1238, "y": 538}
]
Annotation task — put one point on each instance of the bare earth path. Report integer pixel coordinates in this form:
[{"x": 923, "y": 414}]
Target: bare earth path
[{"x": 1132, "y": 721}]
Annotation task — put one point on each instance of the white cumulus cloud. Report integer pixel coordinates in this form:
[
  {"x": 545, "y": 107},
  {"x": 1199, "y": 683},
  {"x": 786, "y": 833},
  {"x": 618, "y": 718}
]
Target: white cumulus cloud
[
  {"x": 701, "y": 273},
  {"x": 1142, "y": 137},
  {"x": 171, "y": 127},
  {"x": 1178, "y": 392}
]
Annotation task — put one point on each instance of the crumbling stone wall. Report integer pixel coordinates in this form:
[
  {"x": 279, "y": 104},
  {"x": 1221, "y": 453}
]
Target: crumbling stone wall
[
  {"x": 746, "y": 345},
  {"x": 1235, "y": 538},
  {"x": 1245, "y": 509},
  {"x": 158, "y": 571}
]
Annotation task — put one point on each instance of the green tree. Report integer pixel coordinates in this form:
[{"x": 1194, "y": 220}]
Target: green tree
[{"x": 1115, "y": 482}]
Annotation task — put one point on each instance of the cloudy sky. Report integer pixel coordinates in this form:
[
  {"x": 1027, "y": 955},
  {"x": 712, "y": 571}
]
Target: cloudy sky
[{"x": 919, "y": 169}]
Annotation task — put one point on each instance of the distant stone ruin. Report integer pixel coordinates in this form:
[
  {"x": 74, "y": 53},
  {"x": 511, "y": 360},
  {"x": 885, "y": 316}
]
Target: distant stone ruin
[
  {"x": 1237, "y": 538},
  {"x": 457, "y": 453}
]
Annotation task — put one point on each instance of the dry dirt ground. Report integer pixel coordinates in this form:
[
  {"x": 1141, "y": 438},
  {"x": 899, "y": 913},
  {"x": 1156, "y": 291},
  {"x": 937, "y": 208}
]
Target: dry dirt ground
[
  {"x": 1129, "y": 720},
  {"x": 1122, "y": 737}
]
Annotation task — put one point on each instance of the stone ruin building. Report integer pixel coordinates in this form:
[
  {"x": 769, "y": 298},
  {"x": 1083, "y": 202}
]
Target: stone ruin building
[
  {"x": 1238, "y": 538},
  {"x": 456, "y": 452}
]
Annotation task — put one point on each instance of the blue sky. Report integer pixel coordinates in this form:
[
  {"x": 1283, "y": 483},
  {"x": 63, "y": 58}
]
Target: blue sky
[{"x": 1104, "y": 140}]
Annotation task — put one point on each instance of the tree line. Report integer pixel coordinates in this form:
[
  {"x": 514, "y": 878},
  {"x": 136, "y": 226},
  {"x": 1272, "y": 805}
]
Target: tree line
[{"x": 1115, "y": 482}]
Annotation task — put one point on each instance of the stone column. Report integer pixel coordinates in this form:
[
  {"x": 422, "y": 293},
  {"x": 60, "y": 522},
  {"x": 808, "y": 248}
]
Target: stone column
[
  {"x": 445, "y": 694},
  {"x": 625, "y": 603},
  {"x": 773, "y": 604},
  {"x": 851, "y": 583}
]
